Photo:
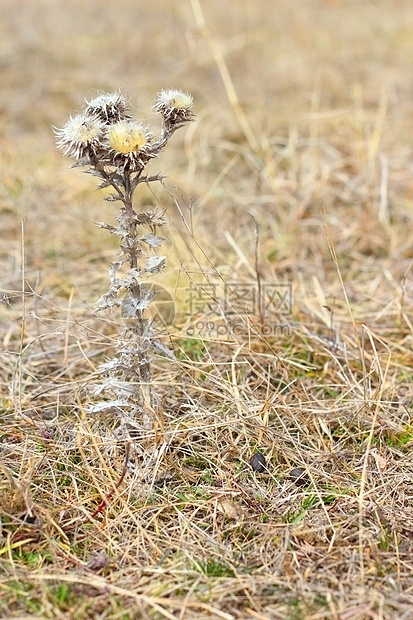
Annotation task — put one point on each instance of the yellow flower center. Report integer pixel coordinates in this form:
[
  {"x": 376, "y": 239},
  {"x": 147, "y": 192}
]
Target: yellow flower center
[{"x": 127, "y": 137}]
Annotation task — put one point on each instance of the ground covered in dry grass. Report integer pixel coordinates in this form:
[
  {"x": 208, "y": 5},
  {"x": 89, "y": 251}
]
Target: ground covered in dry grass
[{"x": 296, "y": 181}]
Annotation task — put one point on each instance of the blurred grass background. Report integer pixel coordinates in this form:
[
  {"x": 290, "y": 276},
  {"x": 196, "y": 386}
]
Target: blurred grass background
[
  {"x": 322, "y": 159},
  {"x": 325, "y": 87}
]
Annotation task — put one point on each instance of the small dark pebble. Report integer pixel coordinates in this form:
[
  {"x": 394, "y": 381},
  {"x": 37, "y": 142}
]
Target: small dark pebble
[
  {"x": 298, "y": 476},
  {"x": 258, "y": 462}
]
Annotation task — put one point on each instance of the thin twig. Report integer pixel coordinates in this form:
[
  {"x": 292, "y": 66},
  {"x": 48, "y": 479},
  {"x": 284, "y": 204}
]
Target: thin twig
[{"x": 111, "y": 493}]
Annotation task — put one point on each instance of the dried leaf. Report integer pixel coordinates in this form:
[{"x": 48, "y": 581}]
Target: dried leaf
[
  {"x": 381, "y": 462},
  {"x": 229, "y": 508},
  {"x": 104, "y": 184},
  {"x": 154, "y": 264},
  {"x": 130, "y": 306},
  {"x": 109, "y": 227},
  {"x": 152, "y": 240},
  {"x": 85, "y": 161}
]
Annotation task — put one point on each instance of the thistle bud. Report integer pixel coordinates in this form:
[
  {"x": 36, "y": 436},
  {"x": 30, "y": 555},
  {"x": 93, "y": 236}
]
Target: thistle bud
[
  {"x": 129, "y": 143},
  {"x": 82, "y": 135},
  {"x": 175, "y": 106}
]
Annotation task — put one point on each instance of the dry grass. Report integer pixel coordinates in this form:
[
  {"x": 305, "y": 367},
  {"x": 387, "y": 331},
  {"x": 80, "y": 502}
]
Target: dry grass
[{"x": 314, "y": 146}]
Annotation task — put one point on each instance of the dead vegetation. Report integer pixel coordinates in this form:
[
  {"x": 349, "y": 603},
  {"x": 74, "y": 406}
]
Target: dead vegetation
[{"x": 297, "y": 175}]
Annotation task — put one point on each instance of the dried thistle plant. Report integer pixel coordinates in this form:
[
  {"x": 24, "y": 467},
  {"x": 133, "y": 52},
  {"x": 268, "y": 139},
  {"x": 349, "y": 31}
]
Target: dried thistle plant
[{"x": 116, "y": 148}]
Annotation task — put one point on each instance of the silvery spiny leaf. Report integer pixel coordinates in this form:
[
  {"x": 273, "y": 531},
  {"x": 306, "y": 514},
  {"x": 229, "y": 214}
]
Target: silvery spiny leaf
[
  {"x": 84, "y": 161},
  {"x": 112, "y": 198},
  {"x": 131, "y": 306},
  {"x": 146, "y": 179},
  {"x": 106, "y": 404},
  {"x": 109, "y": 227},
  {"x": 152, "y": 240},
  {"x": 104, "y": 185},
  {"x": 154, "y": 264}
]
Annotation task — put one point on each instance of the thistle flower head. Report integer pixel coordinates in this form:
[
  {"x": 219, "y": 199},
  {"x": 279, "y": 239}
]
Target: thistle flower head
[
  {"x": 129, "y": 142},
  {"x": 108, "y": 107},
  {"x": 81, "y": 136},
  {"x": 175, "y": 106}
]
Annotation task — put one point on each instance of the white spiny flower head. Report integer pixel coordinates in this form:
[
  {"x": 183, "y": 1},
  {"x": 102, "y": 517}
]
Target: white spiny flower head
[
  {"x": 82, "y": 135},
  {"x": 175, "y": 105},
  {"x": 130, "y": 143},
  {"x": 108, "y": 107}
]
